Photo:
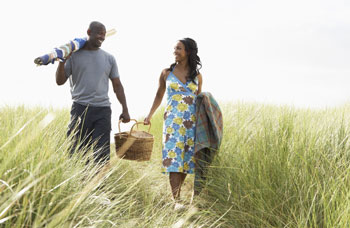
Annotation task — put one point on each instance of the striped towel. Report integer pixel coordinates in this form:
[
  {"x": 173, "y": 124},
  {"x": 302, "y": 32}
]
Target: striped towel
[{"x": 61, "y": 52}]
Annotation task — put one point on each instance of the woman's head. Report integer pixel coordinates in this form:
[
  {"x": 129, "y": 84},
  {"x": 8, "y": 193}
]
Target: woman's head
[{"x": 187, "y": 49}]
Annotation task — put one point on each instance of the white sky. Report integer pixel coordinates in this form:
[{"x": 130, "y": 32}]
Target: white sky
[{"x": 272, "y": 51}]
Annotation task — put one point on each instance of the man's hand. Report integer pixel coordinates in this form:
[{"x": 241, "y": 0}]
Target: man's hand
[
  {"x": 68, "y": 56},
  {"x": 125, "y": 117}
]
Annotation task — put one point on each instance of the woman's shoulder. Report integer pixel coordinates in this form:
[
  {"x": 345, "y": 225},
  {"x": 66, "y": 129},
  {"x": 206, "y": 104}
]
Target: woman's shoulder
[
  {"x": 165, "y": 73},
  {"x": 199, "y": 77}
]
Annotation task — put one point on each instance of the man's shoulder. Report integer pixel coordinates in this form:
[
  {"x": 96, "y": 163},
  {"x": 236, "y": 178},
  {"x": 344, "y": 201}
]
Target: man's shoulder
[
  {"x": 79, "y": 56},
  {"x": 99, "y": 51},
  {"x": 109, "y": 56},
  {"x": 105, "y": 52}
]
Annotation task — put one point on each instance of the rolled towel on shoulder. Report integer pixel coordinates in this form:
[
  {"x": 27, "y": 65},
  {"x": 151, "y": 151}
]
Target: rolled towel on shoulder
[{"x": 61, "y": 52}]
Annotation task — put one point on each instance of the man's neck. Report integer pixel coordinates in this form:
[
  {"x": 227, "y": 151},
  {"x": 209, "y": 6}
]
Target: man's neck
[{"x": 89, "y": 47}]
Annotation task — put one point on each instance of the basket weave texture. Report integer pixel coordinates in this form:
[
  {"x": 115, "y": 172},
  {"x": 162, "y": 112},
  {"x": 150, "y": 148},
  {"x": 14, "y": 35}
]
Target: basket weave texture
[{"x": 134, "y": 145}]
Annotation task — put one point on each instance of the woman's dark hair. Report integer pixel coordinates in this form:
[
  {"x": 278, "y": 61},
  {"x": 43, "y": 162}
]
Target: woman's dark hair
[{"x": 193, "y": 59}]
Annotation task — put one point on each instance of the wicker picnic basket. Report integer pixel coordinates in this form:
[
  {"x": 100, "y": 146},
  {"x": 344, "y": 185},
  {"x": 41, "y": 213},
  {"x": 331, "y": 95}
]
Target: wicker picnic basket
[{"x": 134, "y": 145}]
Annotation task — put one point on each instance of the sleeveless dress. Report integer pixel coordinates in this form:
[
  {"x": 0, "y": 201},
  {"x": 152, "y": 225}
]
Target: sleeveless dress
[{"x": 179, "y": 126}]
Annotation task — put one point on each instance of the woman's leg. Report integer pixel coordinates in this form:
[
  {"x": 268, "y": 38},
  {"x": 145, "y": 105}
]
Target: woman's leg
[{"x": 176, "y": 181}]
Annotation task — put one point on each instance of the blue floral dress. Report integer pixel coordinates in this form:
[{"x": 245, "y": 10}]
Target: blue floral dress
[{"x": 179, "y": 126}]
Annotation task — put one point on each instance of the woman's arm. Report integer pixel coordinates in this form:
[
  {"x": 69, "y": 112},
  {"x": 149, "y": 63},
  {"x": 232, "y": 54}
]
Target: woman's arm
[
  {"x": 200, "y": 82},
  {"x": 159, "y": 96}
]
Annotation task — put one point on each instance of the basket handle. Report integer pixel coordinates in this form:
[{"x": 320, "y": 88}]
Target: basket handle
[
  {"x": 122, "y": 120},
  {"x": 137, "y": 123}
]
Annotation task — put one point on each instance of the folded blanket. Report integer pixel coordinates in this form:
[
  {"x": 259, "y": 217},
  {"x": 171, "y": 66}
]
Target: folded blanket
[
  {"x": 209, "y": 132},
  {"x": 63, "y": 51},
  {"x": 209, "y": 123}
]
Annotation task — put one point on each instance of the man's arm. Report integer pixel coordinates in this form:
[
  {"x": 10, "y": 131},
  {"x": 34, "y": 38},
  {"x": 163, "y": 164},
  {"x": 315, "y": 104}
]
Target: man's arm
[
  {"x": 119, "y": 91},
  {"x": 60, "y": 74}
]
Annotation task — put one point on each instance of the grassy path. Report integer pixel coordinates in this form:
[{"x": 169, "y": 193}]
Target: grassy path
[{"x": 277, "y": 167}]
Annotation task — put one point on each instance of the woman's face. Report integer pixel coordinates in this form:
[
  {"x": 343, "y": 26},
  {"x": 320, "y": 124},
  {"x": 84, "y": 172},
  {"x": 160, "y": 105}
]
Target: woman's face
[{"x": 179, "y": 52}]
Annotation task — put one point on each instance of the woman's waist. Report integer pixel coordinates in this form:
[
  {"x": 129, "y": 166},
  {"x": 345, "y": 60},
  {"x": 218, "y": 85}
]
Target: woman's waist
[
  {"x": 183, "y": 93},
  {"x": 181, "y": 97}
]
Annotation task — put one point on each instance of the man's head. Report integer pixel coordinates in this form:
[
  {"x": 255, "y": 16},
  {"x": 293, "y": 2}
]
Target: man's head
[{"x": 96, "y": 33}]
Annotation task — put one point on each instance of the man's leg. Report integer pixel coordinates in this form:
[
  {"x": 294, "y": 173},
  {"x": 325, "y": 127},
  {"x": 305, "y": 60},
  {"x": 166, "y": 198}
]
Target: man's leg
[
  {"x": 101, "y": 134},
  {"x": 78, "y": 128}
]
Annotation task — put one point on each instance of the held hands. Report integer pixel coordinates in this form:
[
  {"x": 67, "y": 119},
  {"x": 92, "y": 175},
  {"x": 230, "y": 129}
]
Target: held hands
[{"x": 125, "y": 117}]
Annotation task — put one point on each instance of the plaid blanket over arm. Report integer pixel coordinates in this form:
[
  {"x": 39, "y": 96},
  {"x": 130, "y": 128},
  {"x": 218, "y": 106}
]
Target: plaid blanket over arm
[
  {"x": 209, "y": 125},
  {"x": 209, "y": 130}
]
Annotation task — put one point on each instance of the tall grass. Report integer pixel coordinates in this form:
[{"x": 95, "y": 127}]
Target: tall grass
[
  {"x": 282, "y": 167},
  {"x": 277, "y": 167}
]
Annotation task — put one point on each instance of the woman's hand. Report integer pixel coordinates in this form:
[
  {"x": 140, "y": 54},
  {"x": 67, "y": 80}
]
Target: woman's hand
[{"x": 147, "y": 120}]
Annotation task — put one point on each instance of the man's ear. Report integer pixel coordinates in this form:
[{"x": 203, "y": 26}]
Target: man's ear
[{"x": 88, "y": 32}]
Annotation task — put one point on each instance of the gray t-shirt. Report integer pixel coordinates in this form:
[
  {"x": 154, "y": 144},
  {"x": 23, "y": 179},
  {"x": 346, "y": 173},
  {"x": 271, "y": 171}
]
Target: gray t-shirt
[{"x": 89, "y": 73}]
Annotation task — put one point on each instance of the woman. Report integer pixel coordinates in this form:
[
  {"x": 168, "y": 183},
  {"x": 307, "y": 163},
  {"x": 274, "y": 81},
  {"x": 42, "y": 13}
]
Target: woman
[{"x": 182, "y": 82}]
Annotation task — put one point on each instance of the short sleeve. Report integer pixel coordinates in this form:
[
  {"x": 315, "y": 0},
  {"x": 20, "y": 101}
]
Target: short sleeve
[
  {"x": 114, "y": 68},
  {"x": 68, "y": 67}
]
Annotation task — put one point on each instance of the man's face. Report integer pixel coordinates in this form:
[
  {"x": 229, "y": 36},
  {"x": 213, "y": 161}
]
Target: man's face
[{"x": 97, "y": 36}]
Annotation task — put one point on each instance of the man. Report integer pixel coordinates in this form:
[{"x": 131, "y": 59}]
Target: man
[{"x": 89, "y": 70}]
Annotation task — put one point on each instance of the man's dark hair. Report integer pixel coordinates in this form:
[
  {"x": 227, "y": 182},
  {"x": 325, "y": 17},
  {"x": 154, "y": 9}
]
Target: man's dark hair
[{"x": 95, "y": 24}]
